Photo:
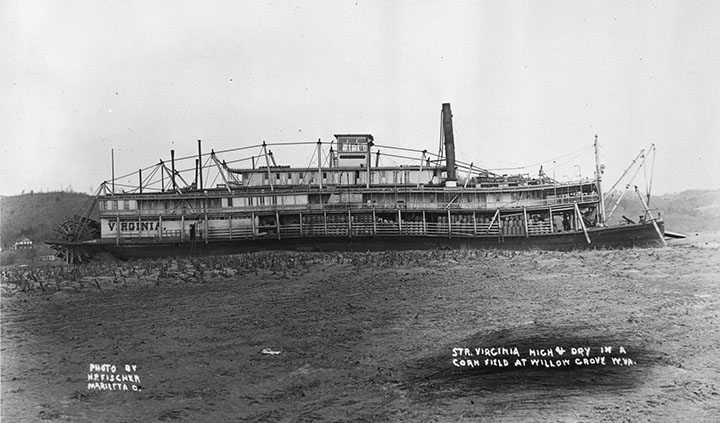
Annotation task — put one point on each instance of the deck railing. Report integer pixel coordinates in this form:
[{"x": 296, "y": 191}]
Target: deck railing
[{"x": 455, "y": 223}]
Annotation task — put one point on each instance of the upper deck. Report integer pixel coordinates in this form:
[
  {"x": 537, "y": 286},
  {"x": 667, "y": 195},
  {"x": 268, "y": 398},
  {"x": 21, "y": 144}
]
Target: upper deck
[{"x": 310, "y": 198}]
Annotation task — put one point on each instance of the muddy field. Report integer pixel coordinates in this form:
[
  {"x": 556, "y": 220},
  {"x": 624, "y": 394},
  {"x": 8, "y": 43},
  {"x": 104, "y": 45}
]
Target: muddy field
[{"x": 369, "y": 337}]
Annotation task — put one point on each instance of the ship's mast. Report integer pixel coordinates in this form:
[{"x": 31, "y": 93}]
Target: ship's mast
[{"x": 598, "y": 172}]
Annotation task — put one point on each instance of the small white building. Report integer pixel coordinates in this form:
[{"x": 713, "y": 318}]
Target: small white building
[{"x": 23, "y": 244}]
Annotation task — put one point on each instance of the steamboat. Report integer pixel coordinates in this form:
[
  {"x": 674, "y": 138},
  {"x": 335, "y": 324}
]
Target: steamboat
[{"x": 346, "y": 200}]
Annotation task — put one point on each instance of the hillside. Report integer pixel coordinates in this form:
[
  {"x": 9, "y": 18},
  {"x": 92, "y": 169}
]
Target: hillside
[
  {"x": 687, "y": 211},
  {"x": 35, "y": 215},
  {"x": 691, "y": 211}
]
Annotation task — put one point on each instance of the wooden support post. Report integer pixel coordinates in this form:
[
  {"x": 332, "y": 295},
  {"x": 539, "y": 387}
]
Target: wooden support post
[
  {"x": 182, "y": 227},
  {"x": 474, "y": 224},
  {"x": 424, "y": 224},
  {"x": 652, "y": 218},
  {"x": 117, "y": 230},
  {"x": 449, "y": 225},
  {"x": 230, "y": 228},
  {"x": 525, "y": 219},
  {"x": 495, "y": 216},
  {"x": 501, "y": 230},
  {"x": 325, "y": 220},
  {"x": 301, "y": 225},
  {"x": 252, "y": 225},
  {"x": 399, "y": 223},
  {"x": 349, "y": 224},
  {"x": 160, "y": 227},
  {"x": 277, "y": 223},
  {"x": 578, "y": 216},
  {"x": 206, "y": 235},
  {"x": 374, "y": 223}
]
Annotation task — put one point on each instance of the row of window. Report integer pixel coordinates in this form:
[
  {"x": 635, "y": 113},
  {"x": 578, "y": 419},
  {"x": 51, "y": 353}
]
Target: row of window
[
  {"x": 211, "y": 203},
  {"x": 300, "y": 175},
  {"x": 397, "y": 177},
  {"x": 215, "y": 203}
]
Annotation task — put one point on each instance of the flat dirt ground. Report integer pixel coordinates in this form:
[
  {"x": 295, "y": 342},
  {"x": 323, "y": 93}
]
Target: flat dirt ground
[{"x": 370, "y": 337}]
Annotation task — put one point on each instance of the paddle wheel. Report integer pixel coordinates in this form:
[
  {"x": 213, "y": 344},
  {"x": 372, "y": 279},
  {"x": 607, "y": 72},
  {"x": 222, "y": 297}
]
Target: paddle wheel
[
  {"x": 72, "y": 232},
  {"x": 78, "y": 228}
]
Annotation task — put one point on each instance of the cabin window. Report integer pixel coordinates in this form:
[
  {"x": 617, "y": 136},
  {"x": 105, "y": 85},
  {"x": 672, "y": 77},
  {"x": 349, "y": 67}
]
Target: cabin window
[
  {"x": 324, "y": 175},
  {"x": 230, "y": 202},
  {"x": 277, "y": 176}
]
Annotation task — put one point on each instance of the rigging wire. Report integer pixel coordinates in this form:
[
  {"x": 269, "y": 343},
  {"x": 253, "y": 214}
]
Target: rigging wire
[
  {"x": 405, "y": 149},
  {"x": 542, "y": 162},
  {"x": 214, "y": 180},
  {"x": 149, "y": 177},
  {"x": 570, "y": 159},
  {"x": 209, "y": 168},
  {"x": 179, "y": 159},
  {"x": 131, "y": 173},
  {"x": 438, "y": 158}
]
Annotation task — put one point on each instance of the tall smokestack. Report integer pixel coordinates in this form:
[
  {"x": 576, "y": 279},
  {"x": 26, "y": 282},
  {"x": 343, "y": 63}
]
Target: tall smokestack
[
  {"x": 449, "y": 142},
  {"x": 172, "y": 160},
  {"x": 200, "y": 170},
  {"x": 197, "y": 186}
]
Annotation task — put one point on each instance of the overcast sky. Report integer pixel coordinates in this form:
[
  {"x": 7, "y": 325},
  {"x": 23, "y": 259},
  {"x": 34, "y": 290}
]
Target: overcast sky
[{"x": 529, "y": 82}]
